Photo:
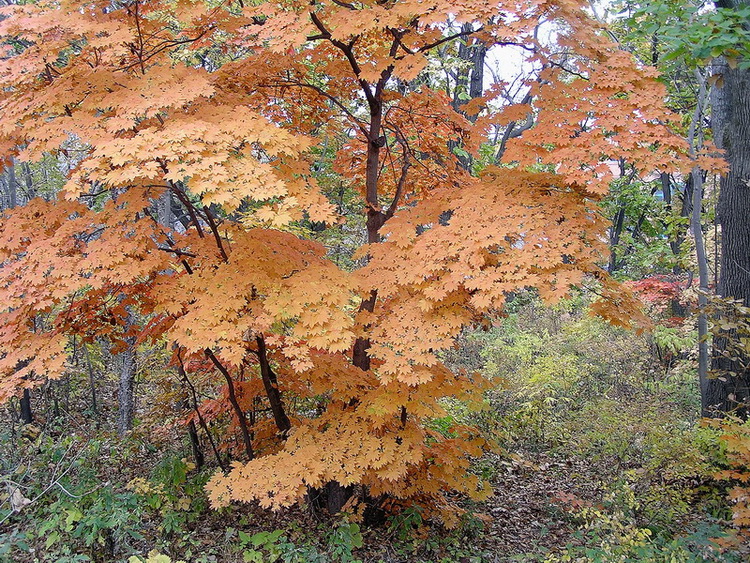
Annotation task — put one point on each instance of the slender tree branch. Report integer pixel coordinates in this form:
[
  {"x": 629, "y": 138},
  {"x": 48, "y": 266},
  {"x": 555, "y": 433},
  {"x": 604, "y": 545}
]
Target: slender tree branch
[
  {"x": 346, "y": 49},
  {"x": 182, "y": 197},
  {"x": 215, "y": 231},
  {"x": 183, "y": 373},
  {"x": 171, "y": 244},
  {"x": 400, "y": 186},
  {"x": 272, "y": 388},
  {"x": 397, "y": 35},
  {"x": 325, "y": 94},
  {"x": 344, "y": 4},
  {"x": 451, "y": 38},
  {"x": 235, "y": 404},
  {"x": 177, "y": 251}
]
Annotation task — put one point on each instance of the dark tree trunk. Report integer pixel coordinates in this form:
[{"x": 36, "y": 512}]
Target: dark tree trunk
[
  {"x": 26, "y": 416},
  {"x": 675, "y": 244},
  {"x": 470, "y": 78},
  {"x": 195, "y": 445},
  {"x": 614, "y": 238},
  {"x": 469, "y": 82},
  {"x": 271, "y": 386},
  {"x": 731, "y": 126},
  {"x": 337, "y": 495},
  {"x": 92, "y": 381}
]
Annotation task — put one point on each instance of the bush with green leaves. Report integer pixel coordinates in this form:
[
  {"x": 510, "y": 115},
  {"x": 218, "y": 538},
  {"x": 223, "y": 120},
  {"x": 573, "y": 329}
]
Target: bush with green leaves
[
  {"x": 573, "y": 386},
  {"x": 548, "y": 363},
  {"x": 608, "y": 536}
]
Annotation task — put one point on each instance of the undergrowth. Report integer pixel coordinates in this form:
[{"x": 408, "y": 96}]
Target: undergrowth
[{"x": 619, "y": 409}]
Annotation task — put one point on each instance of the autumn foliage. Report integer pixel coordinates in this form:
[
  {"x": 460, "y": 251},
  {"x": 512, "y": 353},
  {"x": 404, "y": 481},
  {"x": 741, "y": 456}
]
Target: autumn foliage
[{"x": 224, "y": 107}]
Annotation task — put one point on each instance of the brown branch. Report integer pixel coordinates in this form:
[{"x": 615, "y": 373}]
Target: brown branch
[
  {"x": 399, "y": 187},
  {"x": 171, "y": 244},
  {"x": 511, "y": 131},
  {"x": 562, "y": 67},
  {"x": 235, "y": 404},
  {"x": 449, "y": 38},
  {"x": 189, "y": 206},
  {"x": 183, "y": 373},
  {"x": 272, "y": 388},
  {"x": 346, "y": 49},
  {"x": 397, "y": 36},
  {"x": 344, "y": 4},
  {"x": 325, "y": 94},
  {"x": 139, "y": 52},
  {"x": 182, "y": 197},
  {"x": 177, "y": 251},
  {"x": 386, "y": 74},
  {"x": 215, "y": 231},
  {"x": 416, "y": 157},
  {"x": 144, "y": 56},
  {"x": 166, "y": 44}
]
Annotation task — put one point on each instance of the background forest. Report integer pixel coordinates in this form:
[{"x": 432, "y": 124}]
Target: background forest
[{"x": 374, "y": 281}]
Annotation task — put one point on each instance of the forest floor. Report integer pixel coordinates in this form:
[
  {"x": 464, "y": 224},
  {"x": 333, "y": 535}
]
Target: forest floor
[
  {"x": 525, "y": 519},
  {"x": 531, "y": 516},
  {"x": 526, "y": 514},
  {"x": 602, "y": 459}
]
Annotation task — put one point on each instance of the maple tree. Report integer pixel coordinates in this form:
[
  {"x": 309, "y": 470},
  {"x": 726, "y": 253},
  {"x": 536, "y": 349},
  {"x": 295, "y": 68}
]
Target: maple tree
[{"x": 222, "y": 105}]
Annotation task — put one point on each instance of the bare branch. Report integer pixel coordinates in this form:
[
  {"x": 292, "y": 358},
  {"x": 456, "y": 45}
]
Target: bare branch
[
  {"x": 344, "y": 4},
  {"x": 325, "y": 94},
  {"x": 183, "y": 373},
  {"x": 235, "y": 404},
  {"x": 401, "y": 182},
  {"x": 215, "y": 231},
  {"x": 346, "y": 49},
  {"x": 449, "y": 38}
]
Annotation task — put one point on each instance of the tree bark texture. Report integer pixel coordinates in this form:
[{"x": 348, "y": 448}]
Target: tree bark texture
[
  {"x": 195, "y": 445},
  {"x": 126, "y": 392},
  {"x": 271, "y": 385},
  {"x": 700, "y": 255},
  {"x": 26, "y": 415},
  {"x": 731, "y": 126}
]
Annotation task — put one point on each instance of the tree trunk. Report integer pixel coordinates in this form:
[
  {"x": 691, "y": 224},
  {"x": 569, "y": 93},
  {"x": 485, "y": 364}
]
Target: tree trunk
[
  {"x": 195, "y": 445},
  {"x": 700, "y": 254},
  {"x": 614, "y": 238},
  {"x": 336, "y": 496},
  {"x": 125, "y": 393},
  {"x": 29, "y": 181},
  {"x": 469, "y": 78},
  {"x": 12, "y": 187},
  {"x": 164, "y": 210},
  {"x": 25, "y": 403},
  {"x": 271, "y": 385},
  {"x": 731, "y": 126},
  {"x": 26, "y": 415},
  {"x": 92, "y": 381},
  {"x": 469, "y": 82}
]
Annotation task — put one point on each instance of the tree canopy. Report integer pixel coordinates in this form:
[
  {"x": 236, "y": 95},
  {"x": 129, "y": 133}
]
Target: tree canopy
[{"x": 230, "y": 111}]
